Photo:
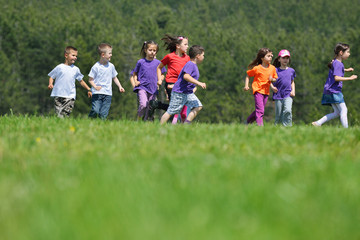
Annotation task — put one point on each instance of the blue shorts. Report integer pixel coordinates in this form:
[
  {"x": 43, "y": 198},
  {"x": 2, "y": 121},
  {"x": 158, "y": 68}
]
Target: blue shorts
[
  {"x": 328, "y": 99},
  {"x": 178, "y": 100}
]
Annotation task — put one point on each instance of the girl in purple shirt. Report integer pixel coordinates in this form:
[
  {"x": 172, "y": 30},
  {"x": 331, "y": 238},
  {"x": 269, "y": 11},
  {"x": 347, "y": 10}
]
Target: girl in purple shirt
[
  {"x": 332, "y": 94},
  {"x": 144, "y": 79},
  {"x": 283, "y": 88}
]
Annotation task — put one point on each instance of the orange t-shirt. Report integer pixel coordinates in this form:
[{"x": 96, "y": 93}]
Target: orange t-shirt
[{"x": 261, "y": 83}]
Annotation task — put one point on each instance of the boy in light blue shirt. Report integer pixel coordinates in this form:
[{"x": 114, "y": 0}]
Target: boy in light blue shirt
[
  {"x": 100, "y": 78},
  {"x": 64, "y": 90}
]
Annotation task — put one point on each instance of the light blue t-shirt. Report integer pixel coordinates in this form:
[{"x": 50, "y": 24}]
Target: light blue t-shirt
[
  {"x": 103, "y": 75},
  {"x": 64, "y": 76}
]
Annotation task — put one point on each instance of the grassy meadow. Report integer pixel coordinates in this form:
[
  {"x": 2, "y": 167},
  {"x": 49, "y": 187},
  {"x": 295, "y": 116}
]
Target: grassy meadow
[{"x": 89, "y": 179}]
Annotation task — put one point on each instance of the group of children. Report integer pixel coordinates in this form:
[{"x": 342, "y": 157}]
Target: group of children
[{"x": 182, "y": 78}]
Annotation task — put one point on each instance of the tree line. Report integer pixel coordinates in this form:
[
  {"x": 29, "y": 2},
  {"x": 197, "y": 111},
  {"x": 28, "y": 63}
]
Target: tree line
[{"x": 33, "y": 35}]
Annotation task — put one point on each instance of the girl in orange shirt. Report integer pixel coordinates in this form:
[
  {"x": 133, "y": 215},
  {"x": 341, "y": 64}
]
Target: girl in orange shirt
[{"x": 264, "y": 73}]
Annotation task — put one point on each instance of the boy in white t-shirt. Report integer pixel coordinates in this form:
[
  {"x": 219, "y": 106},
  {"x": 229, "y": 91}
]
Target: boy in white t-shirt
[
  {"x": 64, "y": 90},
  {"x": 100, "y": 78}
]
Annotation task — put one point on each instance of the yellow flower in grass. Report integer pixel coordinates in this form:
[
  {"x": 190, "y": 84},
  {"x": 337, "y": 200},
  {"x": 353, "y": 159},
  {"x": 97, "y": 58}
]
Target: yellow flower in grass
[
  {"x": 38, "y": 140},
  {"x": 72, "y": 129}
]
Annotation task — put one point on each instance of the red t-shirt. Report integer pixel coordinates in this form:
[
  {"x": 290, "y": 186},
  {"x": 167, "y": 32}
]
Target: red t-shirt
[{"x": 174, "y": 64}]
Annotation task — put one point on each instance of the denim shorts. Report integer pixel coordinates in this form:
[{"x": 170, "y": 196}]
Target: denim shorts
[
  {"x": 178, "y": 100},
  {"x": 328, "y": 99}
]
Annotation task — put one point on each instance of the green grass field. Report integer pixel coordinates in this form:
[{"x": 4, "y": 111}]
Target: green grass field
[{"x": 89, "y": 179}]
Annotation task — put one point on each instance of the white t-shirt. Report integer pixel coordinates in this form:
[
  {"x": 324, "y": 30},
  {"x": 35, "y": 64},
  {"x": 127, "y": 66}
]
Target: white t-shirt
[
  {"x": 103, "y": 75},
  {"x": 64, "y": 77}
]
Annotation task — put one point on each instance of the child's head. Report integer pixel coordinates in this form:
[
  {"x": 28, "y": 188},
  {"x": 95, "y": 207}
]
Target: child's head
[
  {"x": 197, "y": 51},
  {"x": 149, "y": 49},
  {"x": 70, "y": 54},
  {"x": 283, "y": 59},
  {"x": 105, "y": 51},
  {"x": 176, "y": 42},
  {"x": 264, "y": 54},
  {"x": 342, "y": 50}
]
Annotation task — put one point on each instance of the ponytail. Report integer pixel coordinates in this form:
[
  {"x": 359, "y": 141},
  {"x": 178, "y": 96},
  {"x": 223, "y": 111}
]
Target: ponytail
[{"x": 338, "y": 48}]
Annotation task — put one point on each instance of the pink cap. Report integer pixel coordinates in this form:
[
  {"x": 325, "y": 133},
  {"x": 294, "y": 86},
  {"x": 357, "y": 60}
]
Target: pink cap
[{"x": 284, "y": 53}]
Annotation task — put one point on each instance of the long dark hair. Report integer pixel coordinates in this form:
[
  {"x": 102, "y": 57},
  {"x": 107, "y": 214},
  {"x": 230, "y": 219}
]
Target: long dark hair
[
  {"x": 261, "y": 53},
  {"x": 145, "y": 46},
  {"x": 338, "y": 48},
  {"x": 171, "y": 41}
]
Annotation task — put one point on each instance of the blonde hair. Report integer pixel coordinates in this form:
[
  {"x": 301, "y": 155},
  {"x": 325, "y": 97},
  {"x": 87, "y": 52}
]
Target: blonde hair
[{"x": 103, "y": 47}]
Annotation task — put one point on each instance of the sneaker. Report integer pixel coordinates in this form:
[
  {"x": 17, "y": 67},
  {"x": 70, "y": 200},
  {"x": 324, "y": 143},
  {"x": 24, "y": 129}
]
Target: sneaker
[
  {"x": 315, "y": 124},
  {"x": 153, "y": 104}
]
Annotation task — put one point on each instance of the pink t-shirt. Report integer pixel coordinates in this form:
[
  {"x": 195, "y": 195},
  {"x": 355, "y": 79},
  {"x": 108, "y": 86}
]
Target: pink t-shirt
[{"x": 174, "y": 64}]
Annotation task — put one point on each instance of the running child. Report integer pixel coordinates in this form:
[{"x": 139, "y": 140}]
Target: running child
[
  {"x": 175, "y": 61},
  {"x": 332, "y": 94},
  {"x": 283, "y": 88},
  {"x": 264, "y": 73},
  {"x": 183, "y": 90},
  {"x": 64, "y": 90},
  {"x": 144, "y": 80},
  {"x": 100, "y": 78}
]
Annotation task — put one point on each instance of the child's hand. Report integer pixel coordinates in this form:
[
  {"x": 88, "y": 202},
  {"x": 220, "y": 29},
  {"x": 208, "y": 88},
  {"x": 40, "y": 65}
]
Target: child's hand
[
  {"x": 349, "y": 70},
  {"x": 271, "y": 79},
  {"x": 89, "y": 94},
  {"x": 275, "y": 90},
  {"x": 292, "y": 94},
  {"x": 353, "y": 77},
  {"x": 121, "y": 89},
  {"x": 203, "y": 85},
  {"x": 137, "y": 83},
  {"x": 246, "y": 88},
  {"x": 97, "y": 88},
  {"x": 50, "y": 86},
  {"x": 159, "y": 83}
]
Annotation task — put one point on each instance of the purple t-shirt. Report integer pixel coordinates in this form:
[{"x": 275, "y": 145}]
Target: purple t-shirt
[
  {"x": 147, "y": 75},
  {"x": 183, "y": 86},
  {"x": 283, "y": 83},
  {"x": 332, "y": 86}
]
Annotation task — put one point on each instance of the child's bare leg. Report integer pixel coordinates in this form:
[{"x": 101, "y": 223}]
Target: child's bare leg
[
  {"x": 193, "y": 114},
  {"x": 165, "y": 118}
]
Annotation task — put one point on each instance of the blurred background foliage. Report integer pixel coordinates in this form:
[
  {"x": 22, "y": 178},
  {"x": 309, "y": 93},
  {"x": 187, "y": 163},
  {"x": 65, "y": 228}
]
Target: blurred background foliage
[{"x": 34, "y": 33}]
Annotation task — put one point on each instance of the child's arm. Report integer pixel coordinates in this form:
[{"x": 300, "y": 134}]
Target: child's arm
[
  {"x": 275, "y": 90},
  {"x": 246, "y": 88},
  {"x": 117, "y": 82},
  {"x": 84, "y": 85},
  {"x": 159, "y": 74},
  {"x": 338, "y": 78},
  {"x": 51, "y": 83},
  {"x": 91, "y": 82},
  {"x": 348, "y": 69},
  {"x": 134, "y": 78},
  {"x": 292, "y": 93},
  {"x": 190, "y": 79}
]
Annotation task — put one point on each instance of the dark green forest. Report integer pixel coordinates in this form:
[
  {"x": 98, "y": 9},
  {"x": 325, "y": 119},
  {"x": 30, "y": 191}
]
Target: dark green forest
[{"x": 34, "y": 33}]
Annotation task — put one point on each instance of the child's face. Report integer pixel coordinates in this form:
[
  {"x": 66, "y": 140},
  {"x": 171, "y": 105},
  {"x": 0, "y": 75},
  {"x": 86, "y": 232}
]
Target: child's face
[
  {"x": 151, "y": 51},
  {"x": 200, "y": 57},
  {"x": 346, "y": 54},
  {"x": 267, "y": 58},
  {"x": 183, "y": 46},
  {"x": 284, "y": 61},
  {"x": 107, "y": 54},
  {"x": 70, "y": 58}
]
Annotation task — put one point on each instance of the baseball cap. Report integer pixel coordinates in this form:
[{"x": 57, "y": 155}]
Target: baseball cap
[{"x": 284, "y": 53}]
